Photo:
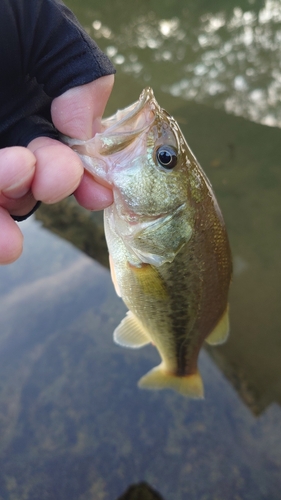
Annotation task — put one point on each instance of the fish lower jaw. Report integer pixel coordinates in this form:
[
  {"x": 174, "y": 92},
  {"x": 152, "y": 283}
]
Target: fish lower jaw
[
  {"x": 128, "y": 215},
  {"x": 134, "y": 218}
]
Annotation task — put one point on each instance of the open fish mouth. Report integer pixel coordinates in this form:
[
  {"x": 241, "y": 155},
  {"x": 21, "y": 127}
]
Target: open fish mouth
[
  {"x": 118, "y": 131},
  {"x": 131, "y": 119},
  {"x": 121, "y": 129}
]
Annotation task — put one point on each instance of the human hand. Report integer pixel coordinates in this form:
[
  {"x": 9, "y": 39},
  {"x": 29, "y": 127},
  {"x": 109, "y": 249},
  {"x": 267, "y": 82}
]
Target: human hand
[{"x": 48, "y": 170}]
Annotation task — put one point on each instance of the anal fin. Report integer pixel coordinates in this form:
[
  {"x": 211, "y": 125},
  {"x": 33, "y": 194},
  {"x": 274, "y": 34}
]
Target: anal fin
[
  {"x": 130, "y": 332},
  {"x": 220, "y": 332}
]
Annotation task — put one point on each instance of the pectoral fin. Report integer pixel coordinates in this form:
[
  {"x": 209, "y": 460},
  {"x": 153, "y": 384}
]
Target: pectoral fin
[
  {"x": 130, "y": 332},
  {"x": 150, "y": 281},
  {"x": 220, "y": 333},
  {"x": 159, "y": 378}
]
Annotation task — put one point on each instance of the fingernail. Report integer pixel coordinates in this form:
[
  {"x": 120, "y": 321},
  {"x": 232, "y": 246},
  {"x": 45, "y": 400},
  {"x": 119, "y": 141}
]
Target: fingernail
[{"x": 18, "y": 189}]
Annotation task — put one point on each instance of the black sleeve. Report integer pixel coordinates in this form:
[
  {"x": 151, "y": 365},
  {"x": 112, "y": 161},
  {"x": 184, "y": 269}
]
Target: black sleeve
[{"x": 44, "y": 52}]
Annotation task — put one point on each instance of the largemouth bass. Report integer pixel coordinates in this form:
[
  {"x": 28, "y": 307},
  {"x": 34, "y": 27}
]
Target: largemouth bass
[{"x": 169, "y": 252}]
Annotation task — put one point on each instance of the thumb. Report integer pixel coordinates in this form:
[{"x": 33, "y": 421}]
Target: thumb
[{"x": 78, "y": 111}]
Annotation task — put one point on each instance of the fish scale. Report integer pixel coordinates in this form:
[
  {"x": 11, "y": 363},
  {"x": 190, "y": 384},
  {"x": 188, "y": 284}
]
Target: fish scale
[{"x": 169, "y": 251}]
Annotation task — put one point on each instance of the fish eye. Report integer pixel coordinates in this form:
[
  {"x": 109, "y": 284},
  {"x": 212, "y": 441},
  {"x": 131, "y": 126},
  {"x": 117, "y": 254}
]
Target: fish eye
[{"x": 166, "y": 157}]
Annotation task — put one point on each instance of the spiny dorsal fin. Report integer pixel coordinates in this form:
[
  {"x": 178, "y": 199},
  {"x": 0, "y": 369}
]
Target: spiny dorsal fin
[
  {"x": 130, "y": 332},
  {"x": 220, "y": 332}
]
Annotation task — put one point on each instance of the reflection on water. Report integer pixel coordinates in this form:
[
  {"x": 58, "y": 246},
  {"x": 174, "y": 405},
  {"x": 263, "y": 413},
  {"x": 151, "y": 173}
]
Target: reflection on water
[
  {"x": 228, "y": 57},
  {"x": 75, "y": 426}
]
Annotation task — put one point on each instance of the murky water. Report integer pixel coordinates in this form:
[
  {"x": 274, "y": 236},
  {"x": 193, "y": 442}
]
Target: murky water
[
  {"x": 73, "y": 423},
  {"x": 227, "y": 56},
  {"x": 207, "y": 64}
]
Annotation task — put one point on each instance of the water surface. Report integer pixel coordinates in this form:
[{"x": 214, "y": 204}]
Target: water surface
[
  {"x": 208, "y": 63},
  {"x": 73, "y": 423}
]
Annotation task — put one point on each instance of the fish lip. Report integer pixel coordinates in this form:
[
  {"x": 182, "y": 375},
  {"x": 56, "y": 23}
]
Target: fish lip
[
  {"x": 121, "y": 128},
  {"x": 119, "y": 120}
]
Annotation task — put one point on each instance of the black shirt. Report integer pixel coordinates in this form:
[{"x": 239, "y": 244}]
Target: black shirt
[{"x": 43, "y": 52}]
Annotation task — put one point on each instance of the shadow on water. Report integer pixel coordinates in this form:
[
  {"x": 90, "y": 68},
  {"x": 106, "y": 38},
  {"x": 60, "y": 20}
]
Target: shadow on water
[
  {"x": 140, "y": 491},
  {"x": 73, "y": 423}
]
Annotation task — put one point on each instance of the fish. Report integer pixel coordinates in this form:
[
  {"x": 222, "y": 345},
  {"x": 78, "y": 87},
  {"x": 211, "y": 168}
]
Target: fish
[{"x": 169, "y": 252}]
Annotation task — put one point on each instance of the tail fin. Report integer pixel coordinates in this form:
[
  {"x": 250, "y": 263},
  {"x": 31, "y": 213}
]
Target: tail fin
[{"x": 159, "y": 378}]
